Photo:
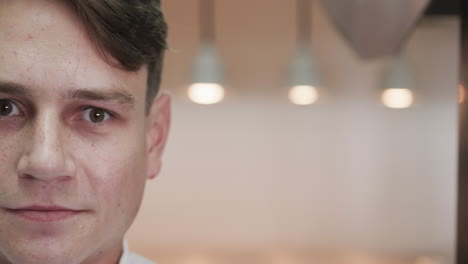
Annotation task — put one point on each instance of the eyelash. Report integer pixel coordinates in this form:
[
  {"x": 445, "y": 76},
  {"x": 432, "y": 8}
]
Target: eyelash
[
  {"x": 16, "y": 105},
  {"x": 111, "y": 115}
]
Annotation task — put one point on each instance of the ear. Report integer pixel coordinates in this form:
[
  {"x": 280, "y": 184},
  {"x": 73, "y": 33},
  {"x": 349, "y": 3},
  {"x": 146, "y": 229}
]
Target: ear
[{"x": 158, "y": 122}]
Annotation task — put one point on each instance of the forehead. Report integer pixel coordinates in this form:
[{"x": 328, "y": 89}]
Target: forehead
[{"x": 43, "y": 45}]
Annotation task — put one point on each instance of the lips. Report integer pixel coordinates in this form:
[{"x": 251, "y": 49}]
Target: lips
[{"x": 44, "y": 214}]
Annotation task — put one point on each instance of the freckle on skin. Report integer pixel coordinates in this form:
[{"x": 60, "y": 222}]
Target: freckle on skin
[{"x": 29, "y": 36}]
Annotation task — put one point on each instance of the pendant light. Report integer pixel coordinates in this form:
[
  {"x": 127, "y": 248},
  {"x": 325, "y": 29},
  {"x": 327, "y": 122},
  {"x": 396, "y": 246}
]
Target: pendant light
[
  {"x": 304, "y": 81},
  {"x": 206, "y": 87},
  {"x": 399, "y": 85},
  {"x": 374, "y": 29}
]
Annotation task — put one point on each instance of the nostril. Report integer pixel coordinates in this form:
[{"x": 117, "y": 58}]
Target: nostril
[
  {"x": 27, "y": 177},
  {"x": 63, "y": 178},
  {"x": 55, "y": 179}
]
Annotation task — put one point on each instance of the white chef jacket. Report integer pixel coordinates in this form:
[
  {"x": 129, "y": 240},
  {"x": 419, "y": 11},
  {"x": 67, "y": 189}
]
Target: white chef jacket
[{"x": 132, "y": 258}]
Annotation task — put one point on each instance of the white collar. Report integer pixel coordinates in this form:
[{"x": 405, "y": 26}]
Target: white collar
[
  {"x": 128, "y": 257},
  {"x": 124, "y": 256}
]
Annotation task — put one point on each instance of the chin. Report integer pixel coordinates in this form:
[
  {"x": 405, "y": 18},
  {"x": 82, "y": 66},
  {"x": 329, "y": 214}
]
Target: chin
[
  {"x": 40, "y": 258},
  {"x": 35, "y": 259},
  {"x": 50, "y": 252}
]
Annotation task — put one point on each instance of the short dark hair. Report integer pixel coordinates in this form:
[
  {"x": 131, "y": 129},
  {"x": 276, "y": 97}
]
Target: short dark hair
[{"x": 128, "y": 34}]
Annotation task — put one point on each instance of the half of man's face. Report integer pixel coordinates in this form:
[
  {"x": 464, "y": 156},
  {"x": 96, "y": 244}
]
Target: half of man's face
[{"x": 72, "y": 139}]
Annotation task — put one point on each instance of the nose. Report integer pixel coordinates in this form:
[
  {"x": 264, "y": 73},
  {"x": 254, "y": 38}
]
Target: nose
[{"x": 43, "y": 157}]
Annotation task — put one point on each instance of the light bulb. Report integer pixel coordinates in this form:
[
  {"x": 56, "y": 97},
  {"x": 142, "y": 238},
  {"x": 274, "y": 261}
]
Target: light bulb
[
  {"x": 461, "y": 93},
  {"x": 197, "y": 260},
  {"x": 206, "y": 93},
  {"x": 397, "y": 98},
  {"x": 426, "y": 260},
  {"x": 303, "y": 94}
]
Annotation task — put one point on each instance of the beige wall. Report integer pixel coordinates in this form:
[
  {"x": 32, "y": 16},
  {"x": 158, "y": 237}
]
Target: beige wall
[{"x": 258, "y": 179}]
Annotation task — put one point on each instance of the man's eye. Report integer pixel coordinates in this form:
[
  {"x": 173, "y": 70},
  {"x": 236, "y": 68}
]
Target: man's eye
[
  {"x": 96, "y": 115},
  {"x": 8, "y": 108}
]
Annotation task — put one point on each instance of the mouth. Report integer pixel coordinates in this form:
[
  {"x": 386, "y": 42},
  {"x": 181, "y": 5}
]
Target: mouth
[{"x": 44, "y": 214}]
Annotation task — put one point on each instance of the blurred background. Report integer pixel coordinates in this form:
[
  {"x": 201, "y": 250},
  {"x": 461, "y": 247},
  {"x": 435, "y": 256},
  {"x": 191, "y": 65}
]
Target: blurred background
[{"x": 265, "y": 168}]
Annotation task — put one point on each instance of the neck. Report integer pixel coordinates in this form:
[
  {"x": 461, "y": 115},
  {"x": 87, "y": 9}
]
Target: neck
[{"x": 108, "y": 255}]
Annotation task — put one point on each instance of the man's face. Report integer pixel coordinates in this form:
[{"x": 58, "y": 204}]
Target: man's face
[{"x": 74, "y": 140}]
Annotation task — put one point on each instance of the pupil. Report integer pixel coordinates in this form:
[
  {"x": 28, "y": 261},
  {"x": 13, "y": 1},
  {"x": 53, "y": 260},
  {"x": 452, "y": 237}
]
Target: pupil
[
  {"x": 97, "y": 115},
  {"x": 5, "y": 108}
]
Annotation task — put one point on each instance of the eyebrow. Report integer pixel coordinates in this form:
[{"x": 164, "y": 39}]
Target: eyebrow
[
  {"x": 119, "y": 95},
  {"x": 14, "y": 89}
]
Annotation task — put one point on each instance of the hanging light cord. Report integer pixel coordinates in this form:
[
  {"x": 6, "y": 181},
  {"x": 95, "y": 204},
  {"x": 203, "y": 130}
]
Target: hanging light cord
[
  {"x": 207, "y": 20},
  {"x": 303, "y": 21}
]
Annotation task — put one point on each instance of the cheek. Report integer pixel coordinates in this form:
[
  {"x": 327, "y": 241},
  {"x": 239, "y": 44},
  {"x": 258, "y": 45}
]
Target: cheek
[
  {"x": 6, "y": 150},
  {"x": 9, "y": 127},
  {"x": 10, "y": 139},
  {"x": 10, "y": 152},
  {"x": 116, "y": 173}
]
